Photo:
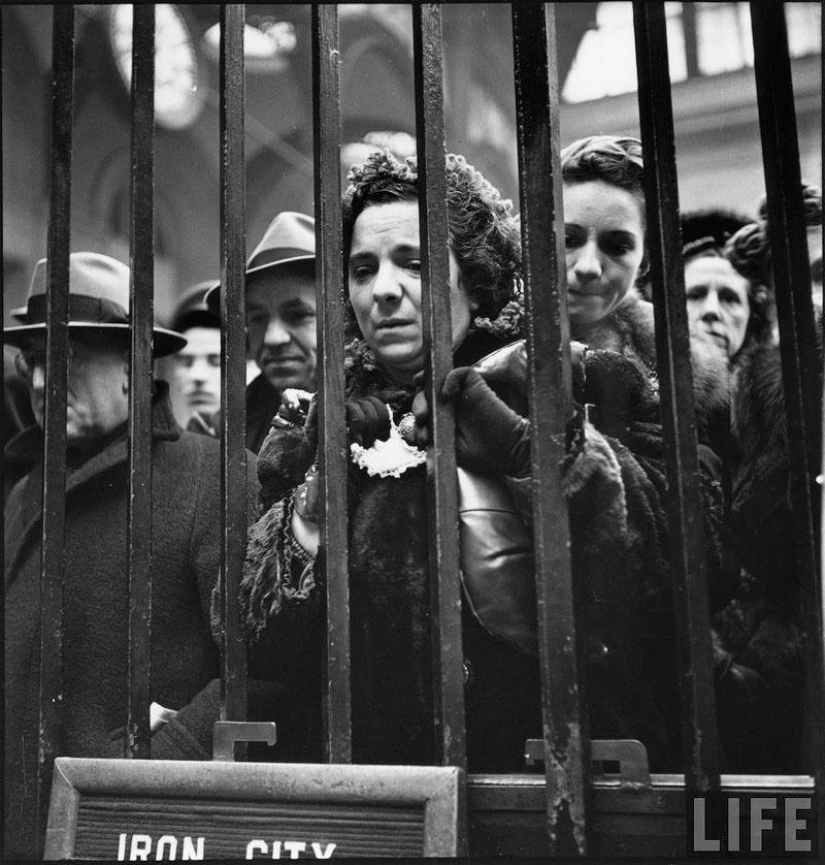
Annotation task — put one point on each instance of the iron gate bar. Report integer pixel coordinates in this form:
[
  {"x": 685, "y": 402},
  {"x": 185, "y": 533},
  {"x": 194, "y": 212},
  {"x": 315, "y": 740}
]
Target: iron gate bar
[
  {"x": 233, "y": 365},
  {"x": 141, "y": 288},
  {"x": 700, "y": 741},
  {"x": 442, "y": 486},
  {"x": 332, "y": 451},
  {"x": 801, "y": 369},
  {"x": 50, "y": 690},
  {"x": 566, "y": 738}
]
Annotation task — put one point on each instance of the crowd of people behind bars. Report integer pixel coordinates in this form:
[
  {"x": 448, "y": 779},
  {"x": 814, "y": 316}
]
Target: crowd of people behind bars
[{"x": 612, "y": 477}]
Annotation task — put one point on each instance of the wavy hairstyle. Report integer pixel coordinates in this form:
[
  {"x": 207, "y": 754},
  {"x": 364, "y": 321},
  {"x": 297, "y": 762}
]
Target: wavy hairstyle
[
  {"x": 749, "y": 250},
  {"x": 484, "y": 233},
  {"x": 612, "y": 159}
]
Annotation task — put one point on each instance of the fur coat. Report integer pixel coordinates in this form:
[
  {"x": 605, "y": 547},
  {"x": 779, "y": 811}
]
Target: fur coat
[
  {"x": 758, "y": 639},
  {"x": 616, "y": 490},
  {"x": 186, "y": 561}
]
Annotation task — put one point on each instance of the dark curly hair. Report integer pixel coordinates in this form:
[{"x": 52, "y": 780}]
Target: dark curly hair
[
  {"x": 484, "y": 233},
  {"x": 749, "y": 251}
]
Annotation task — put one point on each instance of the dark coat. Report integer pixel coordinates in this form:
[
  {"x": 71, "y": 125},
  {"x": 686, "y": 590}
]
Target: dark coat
[
  {"x": 186, "y": 559},
  {"x": 759, "y": 637},
  {"x": 262, "y": 402},
  {"x": 390, "y": 618},
  {"x": 615, "y": 485}
]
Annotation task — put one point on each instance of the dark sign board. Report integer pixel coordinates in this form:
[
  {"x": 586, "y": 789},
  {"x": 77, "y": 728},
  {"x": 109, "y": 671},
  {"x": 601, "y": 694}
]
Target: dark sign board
[{"x": 163, "y": 810}]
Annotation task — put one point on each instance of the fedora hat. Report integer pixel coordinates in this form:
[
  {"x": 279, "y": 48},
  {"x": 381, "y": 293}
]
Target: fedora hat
[
  {"x": 290, "y": 238},
  {"x": 191, "y": 309},
  {"x": 98, "y": 301}
]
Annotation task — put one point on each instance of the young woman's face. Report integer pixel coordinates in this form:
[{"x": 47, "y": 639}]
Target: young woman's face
[
  {"x": 604, "y": 238},
  {"x": 384, "y": 273}
]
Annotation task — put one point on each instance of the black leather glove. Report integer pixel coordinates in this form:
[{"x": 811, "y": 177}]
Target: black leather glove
[
  {"x": 367, "y": 419},
  {"x": 490, "y": 437}
]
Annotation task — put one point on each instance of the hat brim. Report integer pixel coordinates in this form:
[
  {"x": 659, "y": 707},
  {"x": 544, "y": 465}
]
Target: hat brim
[
  {"x": 213, "y": 294},
  {"x": 164, "y": 341}
]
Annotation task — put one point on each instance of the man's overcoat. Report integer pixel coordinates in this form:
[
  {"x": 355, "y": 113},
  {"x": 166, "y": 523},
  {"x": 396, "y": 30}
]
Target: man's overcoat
[{"x": 185, "y": 562}]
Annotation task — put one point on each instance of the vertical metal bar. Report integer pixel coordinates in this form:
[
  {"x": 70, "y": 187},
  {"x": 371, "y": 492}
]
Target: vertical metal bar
[
  {"x": 692, "y": 619},
  {"x": 54, "y": 459},
  {"x": 442, "y": 487},
  {"x": 139, "y": 510},
  {"x": 566, "y": 742},
  {"x": 801, "y": 369},
  {"x": 334, "y": 549},
  {"x": 233, "y": 367},
  {"x": 691, "y": 39}
]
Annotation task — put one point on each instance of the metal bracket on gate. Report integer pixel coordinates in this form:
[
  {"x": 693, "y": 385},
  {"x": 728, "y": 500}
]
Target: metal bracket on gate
[
  {"x": 226, "y": 734},
  {"x": 622, "y": 758}
]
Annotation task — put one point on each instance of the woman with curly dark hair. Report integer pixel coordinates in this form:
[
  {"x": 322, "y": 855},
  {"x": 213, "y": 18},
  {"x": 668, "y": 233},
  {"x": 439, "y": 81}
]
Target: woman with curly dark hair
[{"x": 391, "y": 648}]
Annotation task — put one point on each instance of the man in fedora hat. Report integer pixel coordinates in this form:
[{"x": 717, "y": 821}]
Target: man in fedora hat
[
  {"x": 280, "y": 318},
  {"x": 185, "y": 544},
  {"x": 194, "y": 372}
]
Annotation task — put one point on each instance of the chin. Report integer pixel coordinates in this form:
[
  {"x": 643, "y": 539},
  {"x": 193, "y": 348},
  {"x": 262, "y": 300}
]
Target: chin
[{"x": 281, "y": 383}]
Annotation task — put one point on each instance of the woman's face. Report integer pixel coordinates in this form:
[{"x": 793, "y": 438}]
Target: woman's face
[
  {"x": 384, "y": 272},
  {"x": 604, "y": 237},
  {"x": 717, "y": 301}
]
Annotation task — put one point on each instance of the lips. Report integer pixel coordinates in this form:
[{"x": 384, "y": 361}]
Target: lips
[
  {"x": 392, "y": 324},
  {"x": 282, "y": 360},
  {"x": 721, "y": 338},
  {"x": 578, "y": 291}
]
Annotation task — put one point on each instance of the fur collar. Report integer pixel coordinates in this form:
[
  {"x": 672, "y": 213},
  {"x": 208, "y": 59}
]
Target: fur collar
[{"x": 630, "y": 330}]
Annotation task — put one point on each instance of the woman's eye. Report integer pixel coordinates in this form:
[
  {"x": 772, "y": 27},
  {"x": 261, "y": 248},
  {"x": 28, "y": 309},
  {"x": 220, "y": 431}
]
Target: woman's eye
[
  {"x": 617, "y": 247},
  {"x": 258, "y": 319},
  {"x": 414, "y": 264},
  {"x": 573, "y": 239},
  {"x": 359, "y": 274},
  {"x": 729, "y": 297}
]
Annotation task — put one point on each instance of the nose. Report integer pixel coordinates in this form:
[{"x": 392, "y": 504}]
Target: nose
[
  {"x": 386, "y": 286},
  {"x": 277, "y": 332},
  {"x": 199, "y": 369},
  {"x": 710, "y": 307},
  {"x": 587, "y": 264}
]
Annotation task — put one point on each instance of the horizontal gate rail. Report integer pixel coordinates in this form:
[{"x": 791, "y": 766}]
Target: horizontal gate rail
[
  {"x": 693, "y": 649},
  {"x": 566, "y": 742},
  {"x": 139, "y": 507},
  {"x": 54, "y": 460}
]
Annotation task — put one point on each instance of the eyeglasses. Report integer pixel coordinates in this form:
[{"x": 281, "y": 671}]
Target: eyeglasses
[{"x": 29, "y": 359}]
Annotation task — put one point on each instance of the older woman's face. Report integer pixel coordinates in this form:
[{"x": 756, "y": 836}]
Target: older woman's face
[
  {"x": 604, "y": 238},
  {"x": 384, "y": 272},
  {"x": 717, "y": 301}
]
